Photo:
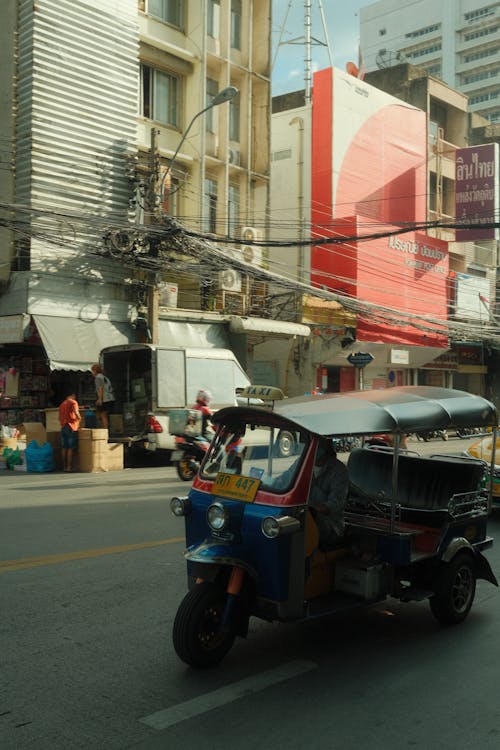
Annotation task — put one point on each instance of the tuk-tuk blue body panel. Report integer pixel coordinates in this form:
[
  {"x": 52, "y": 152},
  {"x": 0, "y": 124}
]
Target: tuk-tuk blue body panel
[{"x": 243, "y": 541}]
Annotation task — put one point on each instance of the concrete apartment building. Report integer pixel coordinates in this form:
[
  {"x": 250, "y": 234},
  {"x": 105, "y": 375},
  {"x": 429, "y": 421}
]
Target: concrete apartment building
[
  {"x": 457, "y": 41},
  {"x": 97, "y": 97}
]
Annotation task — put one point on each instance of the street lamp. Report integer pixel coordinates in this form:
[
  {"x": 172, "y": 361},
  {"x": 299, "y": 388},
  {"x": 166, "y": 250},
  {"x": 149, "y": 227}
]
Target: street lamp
[{"x": 222, "y": 96}]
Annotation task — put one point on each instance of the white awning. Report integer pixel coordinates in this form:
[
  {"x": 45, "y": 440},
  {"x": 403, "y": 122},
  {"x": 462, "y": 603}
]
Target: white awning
[
  {"x": 73, "y": 344},
  {"x": 267, "y": 327}
]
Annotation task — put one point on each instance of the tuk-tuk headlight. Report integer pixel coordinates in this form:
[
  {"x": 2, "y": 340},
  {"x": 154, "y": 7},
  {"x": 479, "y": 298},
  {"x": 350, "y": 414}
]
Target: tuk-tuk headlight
[
  {"x": 273, "y": 526},
  {"x": 217, "y": 517},
  {"x": 180, "y": 506}
]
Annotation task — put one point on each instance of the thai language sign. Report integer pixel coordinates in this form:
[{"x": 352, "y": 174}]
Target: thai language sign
[{"x": 477, "y": 191}]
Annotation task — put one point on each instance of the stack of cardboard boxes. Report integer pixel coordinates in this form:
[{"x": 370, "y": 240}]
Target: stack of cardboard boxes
[{"x": 96, "y": 454}]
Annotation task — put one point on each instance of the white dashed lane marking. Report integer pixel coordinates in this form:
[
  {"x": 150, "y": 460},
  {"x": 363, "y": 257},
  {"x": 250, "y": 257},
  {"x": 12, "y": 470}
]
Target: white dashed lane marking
[{"x": 167, "y": 717}]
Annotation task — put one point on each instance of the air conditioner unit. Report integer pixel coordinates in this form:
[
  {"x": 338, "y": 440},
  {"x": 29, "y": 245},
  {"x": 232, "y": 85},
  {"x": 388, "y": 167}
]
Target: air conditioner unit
[
  {"x": 251, "y": 253},
  {"x": 483, "y": 256},
  {"x": 230, "y": 280},
  {"x": 234, "y": 156}
]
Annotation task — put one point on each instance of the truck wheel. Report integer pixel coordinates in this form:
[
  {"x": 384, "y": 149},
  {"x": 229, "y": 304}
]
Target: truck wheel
[
  {"x": 286, "y": 443},
  {"x": 454, "y": 590},
  {"x": 197, "y": 635},
  {"x": 185, "y": 469}
]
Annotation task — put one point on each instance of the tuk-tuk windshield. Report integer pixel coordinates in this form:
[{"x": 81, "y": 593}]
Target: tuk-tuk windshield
[{"x": 260, "y": 452}]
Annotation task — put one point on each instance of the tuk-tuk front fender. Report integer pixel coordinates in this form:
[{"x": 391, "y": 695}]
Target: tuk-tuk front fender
[
  {"x": 483, "y": 568},
  {"x": 212, "y": 553}
]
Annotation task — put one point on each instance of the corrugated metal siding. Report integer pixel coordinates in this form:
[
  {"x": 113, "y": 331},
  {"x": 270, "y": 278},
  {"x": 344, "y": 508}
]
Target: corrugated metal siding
[{"x": 76, "y": 126}]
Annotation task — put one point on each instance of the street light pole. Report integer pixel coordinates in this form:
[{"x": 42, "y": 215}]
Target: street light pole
[
  {"x": 225, "y": 95},
  {"x": 156, "y": 191}
]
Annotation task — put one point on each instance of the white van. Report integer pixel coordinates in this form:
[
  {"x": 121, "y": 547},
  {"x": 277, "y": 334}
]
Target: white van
[{"x": 149, "y": 381}]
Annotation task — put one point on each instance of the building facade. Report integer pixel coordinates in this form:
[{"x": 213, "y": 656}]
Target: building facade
[
  {"x": 109, "y": 129},
  {"x": 450, "y": 127},
  {"x": 381, "y": 153},
  {"x": 457, "y": 41}
]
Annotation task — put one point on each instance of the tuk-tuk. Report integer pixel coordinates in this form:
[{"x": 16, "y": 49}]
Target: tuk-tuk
[{"x": 415, "y": 527}]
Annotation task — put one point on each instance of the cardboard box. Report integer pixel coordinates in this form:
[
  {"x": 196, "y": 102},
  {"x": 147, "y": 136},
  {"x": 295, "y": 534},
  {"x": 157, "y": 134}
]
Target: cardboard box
[
  {"x": 54, "y": 438},
  {"x": 185, "y": 422},
  {"x": 33, "y": 431},
  {"x": 101, "y": 456},
  {"x": 86, "y": 434},
  {"x": 7, "y": 443},
  {"x": 52, "y": 420}
]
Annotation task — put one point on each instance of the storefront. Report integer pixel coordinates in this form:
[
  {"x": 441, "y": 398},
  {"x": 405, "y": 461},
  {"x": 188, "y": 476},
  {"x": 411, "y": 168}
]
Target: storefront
[{"x": 44, "y": 357}]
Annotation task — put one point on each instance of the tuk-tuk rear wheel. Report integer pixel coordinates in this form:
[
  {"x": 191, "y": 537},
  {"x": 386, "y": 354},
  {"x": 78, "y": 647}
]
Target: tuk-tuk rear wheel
[
  {"x": 454, "y": 590},
  {"x": 198, "y": 637}
]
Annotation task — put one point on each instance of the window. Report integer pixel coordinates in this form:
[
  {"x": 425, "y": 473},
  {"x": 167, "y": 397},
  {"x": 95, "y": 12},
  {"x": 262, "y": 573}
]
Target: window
[
  {"x": 481, "y": 32},
  {"x": 159, "y": 96},
  {"x": 234, "y": 119},
  {"x": 233, "y": 209},
  {"x": 211, "y": 115},
  {"x": 236, "y": 24},
  {"x": 170, "y": 11},
  {"x": 483, "y": 53},
  {"x": 474, "y": 15},
  {"x": 424, "y": 51},
  {"x": 213, "y": 19},
  {"x": 210, "y": 206},
  {"x": 423, "y": 31}
]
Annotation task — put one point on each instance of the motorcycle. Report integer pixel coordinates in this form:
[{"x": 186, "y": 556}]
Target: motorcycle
[
  {"x": 188, "y": 455},
  {"x": 193, "y": 450},
  {"x": 432, "y": 435},
  {"x": 463, "y": 432}
]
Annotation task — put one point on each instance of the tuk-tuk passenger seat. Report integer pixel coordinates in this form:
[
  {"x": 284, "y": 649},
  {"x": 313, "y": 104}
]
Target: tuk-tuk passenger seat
[{"x": 424, "y": 484}]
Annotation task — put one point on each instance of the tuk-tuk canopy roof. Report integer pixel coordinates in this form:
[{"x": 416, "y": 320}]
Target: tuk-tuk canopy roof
[{"x": 403, "y": 409}]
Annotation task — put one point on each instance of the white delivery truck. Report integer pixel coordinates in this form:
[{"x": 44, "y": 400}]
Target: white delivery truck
[{"x": 149, "y": 381}]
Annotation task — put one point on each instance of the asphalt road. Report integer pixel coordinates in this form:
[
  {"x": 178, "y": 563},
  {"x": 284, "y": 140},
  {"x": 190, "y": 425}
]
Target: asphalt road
[{"x": 91, "y": 577}]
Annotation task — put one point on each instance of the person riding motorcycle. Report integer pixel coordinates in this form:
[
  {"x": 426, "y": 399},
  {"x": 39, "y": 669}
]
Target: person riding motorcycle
[{"x": 203, "y": 398}]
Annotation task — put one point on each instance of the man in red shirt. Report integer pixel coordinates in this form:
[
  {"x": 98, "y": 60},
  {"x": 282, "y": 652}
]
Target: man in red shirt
[{"x": 69, "y": 418}]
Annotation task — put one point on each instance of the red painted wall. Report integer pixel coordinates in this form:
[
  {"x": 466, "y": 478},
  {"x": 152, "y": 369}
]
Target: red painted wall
[{"x": 368, "y": 174}]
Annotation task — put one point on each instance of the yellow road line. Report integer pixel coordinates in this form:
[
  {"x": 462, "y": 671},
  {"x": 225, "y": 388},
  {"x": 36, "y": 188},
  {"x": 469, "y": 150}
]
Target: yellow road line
[{"x": 34, "y": 562}]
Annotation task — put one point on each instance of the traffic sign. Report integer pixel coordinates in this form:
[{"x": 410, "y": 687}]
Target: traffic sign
[{"x": 360, "y": 359}]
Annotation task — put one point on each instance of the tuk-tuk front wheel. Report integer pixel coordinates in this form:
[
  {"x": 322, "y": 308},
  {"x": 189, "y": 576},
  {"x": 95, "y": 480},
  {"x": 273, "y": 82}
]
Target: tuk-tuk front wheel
[
  {"x": 198, "y": 635},
  {"x": 454, "y": 590},
  {"x": 185, "y": 469}
]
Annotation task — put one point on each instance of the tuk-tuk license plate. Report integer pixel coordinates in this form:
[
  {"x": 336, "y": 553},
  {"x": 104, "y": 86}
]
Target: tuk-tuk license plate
[{"x": 235, "y": 487}]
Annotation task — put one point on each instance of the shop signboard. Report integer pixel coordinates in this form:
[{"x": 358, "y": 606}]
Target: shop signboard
[
  {"x": 477, "y": 192},
  {"x": 472, "y": 297}
]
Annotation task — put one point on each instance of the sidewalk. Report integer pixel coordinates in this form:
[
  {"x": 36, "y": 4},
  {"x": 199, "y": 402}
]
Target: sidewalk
[{"x": 11, "y": 480}]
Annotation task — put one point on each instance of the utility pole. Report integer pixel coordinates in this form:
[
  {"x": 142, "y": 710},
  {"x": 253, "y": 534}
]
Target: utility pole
[{"x": 153, "y": 204}]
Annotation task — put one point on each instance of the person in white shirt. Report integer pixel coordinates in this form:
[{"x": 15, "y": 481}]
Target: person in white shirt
[{"x": 105, "y": 401}]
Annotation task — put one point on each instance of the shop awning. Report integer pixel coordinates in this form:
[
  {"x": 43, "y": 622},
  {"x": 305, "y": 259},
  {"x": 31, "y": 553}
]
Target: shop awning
[
  {"x": 73, "y": 344},
  {"x": 267, "y": 327}
]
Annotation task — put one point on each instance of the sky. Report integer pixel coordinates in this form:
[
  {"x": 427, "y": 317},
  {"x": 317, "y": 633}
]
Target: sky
[{"x": 342, "y": 22}]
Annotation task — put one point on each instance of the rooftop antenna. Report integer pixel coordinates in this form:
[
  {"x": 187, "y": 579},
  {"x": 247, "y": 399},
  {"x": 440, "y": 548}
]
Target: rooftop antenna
[{"x": 308, "y": 40}]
